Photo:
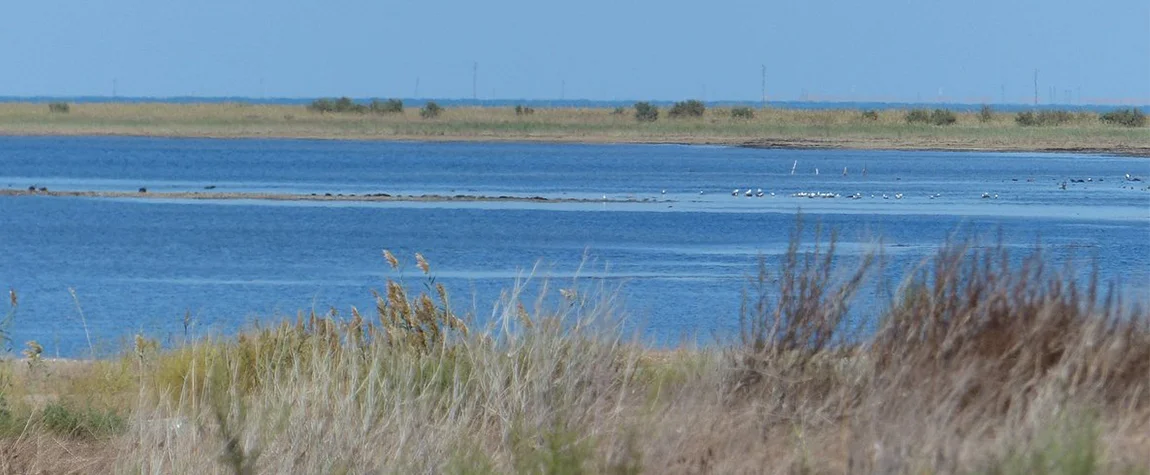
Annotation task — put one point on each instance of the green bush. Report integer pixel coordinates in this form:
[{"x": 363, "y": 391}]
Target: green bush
[
  {"x": 343, "y": 104},
  {"x": 520, "y": 110},
  {"x": 1132, "y": 117},
  {"x": 1026, "y": 119},
  {"x": 937, "y": 117},
  {"x": 985, "y": 114},
  {"x": 743, "y": 113},
  {"x": 942, "y": 117},
  {"x": 690, "y": 108},
  {"x": 918, "y": 116},
  {"x": 645, "y": 112},
  {"x": 59, "y": 107},
  {"x": 619, "y": 111},
  {"x": 870, "y": 114},
  {"x": 89, "y": 423},
  {"x": 1043, "y": 118},
  {"x": 430, "y": 110},
  {"x": 390, "y": 106}
]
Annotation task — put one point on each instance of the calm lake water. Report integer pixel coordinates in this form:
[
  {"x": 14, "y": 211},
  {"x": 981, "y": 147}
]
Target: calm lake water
[{"x": 680, "y": 260}]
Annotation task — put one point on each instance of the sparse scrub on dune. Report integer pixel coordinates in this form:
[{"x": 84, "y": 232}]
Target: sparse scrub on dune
[
  {"x": 430, "y": 110},
  {"x": 390, "y": 106},
  {"x": 1044, "y": 118},
  {"x": 1132, "y": 117},
  {"x": 689, "y": 108},
  {"x": 870, "y": 115},
  {"x": 59, "y": 107},
  {"x": 521, "y": 110},
  {"x": 936, "y": 117},
  {"x": 745, "y": 113},
  {"x": 985, "y": 114},
  {"x": 645, "y": 112},
  {"x": 341, "y": 105},
  {"x": 983, "y": 363}
]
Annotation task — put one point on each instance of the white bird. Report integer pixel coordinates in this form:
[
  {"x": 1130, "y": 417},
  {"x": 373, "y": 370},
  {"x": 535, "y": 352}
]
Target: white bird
[
  {"x": 759, "y": 193},
  {"x": 735, "y": 193},
  {"x": 816, "y": 171},
  {"x": 985, "y": 195},
  {"x": 749, "y": 193},
  {"x": 885, "y": 197},
  {"x": 898, "y": 196},
  {"x": 664, "y": 192}
]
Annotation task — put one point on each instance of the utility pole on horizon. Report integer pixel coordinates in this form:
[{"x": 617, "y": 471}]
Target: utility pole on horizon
[
  {"x": 764, "y": 97},
  {"x": 1036, "y": 86},
  {"x": 475, "y": 81}
]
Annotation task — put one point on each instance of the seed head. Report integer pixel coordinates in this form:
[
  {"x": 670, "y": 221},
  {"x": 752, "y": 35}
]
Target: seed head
[
  {"x": 422, "y": 263},
  {"x": 391, "y": 260}
]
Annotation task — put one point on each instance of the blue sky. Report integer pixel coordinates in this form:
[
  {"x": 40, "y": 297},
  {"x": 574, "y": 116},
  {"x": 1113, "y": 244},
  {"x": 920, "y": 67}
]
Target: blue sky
[{"x": 897, "y": 50}]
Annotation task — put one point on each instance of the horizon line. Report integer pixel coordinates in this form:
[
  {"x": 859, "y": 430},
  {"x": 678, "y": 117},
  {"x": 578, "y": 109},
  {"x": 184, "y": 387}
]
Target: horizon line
[{"x": 272, "y": 100}]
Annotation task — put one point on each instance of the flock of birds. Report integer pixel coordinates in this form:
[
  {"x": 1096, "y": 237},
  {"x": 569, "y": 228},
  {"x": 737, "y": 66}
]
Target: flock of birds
[{"x": 759, "y": 193}]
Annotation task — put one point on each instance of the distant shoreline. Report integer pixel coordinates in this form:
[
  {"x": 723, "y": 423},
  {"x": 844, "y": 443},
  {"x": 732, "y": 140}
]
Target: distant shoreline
[
  {"x": 769, "y": 128},
  {"x": 322, "y": 197}
]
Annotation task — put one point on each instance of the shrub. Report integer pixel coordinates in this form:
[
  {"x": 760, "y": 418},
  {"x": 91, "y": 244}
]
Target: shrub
[
  {"x": 1043, "y": 118},
  {"x": 645, "y": 112},
  {"x": 985, "y": 114},
  {"x": 343, "y": 104},
  {"x": 59, "y": 107},
  {"x": 390, "y": 106},
  {"x": 88, "y": 423},
  {"x": 322, "y": 105},
  {"x": 870, "y": 114},
  {"x": 520, "y": 110},
  {"x": 430, "y": 110},
  {"x": 691, "y": 108},
  {"x": 1026, "y": 119},
  {"x": 918, "y": 116},
  {"x": 619, "y": 111},
  {"x": 743, "y": 113},
  {"x": 942, "y": 117},
  {"x": 1132, "y": 117}
]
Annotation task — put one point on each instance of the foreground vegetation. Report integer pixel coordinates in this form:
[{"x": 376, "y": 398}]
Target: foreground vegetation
[
  {"x": 982, "y": 364},
  {"x": 685, "y": 122}
]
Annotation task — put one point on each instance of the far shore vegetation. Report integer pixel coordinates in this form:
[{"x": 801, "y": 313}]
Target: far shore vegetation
[
  {"x": 981, "y": 363},
  {"x": 1122, "y": 130}
]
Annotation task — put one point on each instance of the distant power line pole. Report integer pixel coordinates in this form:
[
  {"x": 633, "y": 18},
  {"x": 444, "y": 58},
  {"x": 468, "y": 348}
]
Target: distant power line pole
[
  {"x": 764, "y": 90},
  {"x": 113, "y": 88},
  {"x": 563, "y": 89},
  {"x": 475, "y": 81},
  {"x": 1036, "y": 87}
]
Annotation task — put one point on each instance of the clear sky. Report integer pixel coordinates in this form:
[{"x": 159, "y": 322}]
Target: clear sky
[{"x": 898, "y": 50}]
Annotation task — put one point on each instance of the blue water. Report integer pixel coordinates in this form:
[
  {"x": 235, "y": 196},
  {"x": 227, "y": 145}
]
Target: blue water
[{"x": 680, "y": 260}]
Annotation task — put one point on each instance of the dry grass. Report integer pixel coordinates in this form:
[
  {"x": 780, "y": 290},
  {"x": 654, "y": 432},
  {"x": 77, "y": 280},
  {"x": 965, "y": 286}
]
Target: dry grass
[
  {"x": 983, "y": 364},
  {"x": 771, "y": 127}
]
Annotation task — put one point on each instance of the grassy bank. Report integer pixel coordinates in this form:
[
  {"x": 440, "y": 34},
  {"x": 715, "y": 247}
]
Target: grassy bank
[
  {"x": 981, "y": 364},
  {"x": 772, "y": 127}
]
